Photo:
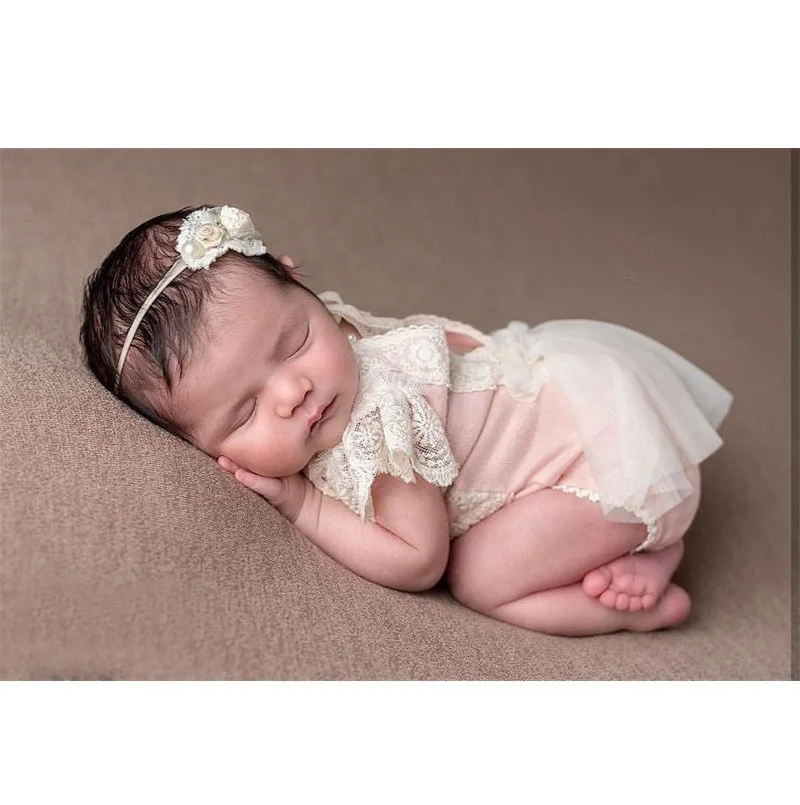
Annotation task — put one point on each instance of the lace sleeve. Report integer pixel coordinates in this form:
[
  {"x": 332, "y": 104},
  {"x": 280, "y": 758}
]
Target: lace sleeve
[{"x": 394, "y": 428}]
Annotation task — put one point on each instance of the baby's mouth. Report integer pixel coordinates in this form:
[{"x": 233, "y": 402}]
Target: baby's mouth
[{"x": 321, "y": 416}]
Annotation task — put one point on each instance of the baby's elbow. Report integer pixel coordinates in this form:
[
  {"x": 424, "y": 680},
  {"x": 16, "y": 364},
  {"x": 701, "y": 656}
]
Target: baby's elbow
[{"x": 427, "y": 568}]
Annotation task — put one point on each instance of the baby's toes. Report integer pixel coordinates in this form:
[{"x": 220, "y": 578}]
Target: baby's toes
[
  {"x": 608, "y": 599},
  {"x": 596, "y": 582}
]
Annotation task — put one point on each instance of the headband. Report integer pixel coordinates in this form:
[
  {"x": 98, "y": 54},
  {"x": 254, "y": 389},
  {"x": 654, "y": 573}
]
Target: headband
[{"x": 205, "y": 235}]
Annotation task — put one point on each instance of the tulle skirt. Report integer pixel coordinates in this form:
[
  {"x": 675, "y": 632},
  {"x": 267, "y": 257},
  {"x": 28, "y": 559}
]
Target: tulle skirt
[{"x": 643, "y": 413}]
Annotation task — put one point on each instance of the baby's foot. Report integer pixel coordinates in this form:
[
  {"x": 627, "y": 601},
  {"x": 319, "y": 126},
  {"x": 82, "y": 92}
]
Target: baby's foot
[
  {"x": 635, "y": 582},
  {"x": 672, "y": 609}
]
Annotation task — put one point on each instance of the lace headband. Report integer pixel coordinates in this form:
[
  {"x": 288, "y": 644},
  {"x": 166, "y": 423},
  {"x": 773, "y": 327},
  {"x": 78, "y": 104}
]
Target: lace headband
[{"x": 205, "y": 235}]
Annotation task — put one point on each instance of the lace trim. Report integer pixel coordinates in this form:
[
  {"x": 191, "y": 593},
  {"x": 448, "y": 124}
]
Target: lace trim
[
  {"x": 474, "y": 371},
  {"x": 651, "y": 523},
  {"x": 465, "y": 509},
  {"x": 451, "y": 326},
  {"x": 418, "y": 350},
  {"x": 366, "y": 324},
  {"x": 393, "y": 429},
  {"x": 508, "y": 357}
]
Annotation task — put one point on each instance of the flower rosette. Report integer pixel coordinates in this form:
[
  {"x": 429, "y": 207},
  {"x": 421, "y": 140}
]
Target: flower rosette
[{"x": 208, "y": 233}]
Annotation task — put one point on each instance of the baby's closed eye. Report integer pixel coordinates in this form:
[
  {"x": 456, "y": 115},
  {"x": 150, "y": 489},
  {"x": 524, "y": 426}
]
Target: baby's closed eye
[
  {"x": 249, "y": 416},
  {"x": 303, "y": 341}
]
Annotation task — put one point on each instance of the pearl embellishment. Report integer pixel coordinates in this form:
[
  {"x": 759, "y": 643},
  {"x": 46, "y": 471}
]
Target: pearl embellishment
[{"x": 193, "y": 250}]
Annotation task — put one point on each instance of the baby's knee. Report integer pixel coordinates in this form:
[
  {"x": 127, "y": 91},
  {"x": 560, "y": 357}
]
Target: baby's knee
[{"x": 468, "y": 587}]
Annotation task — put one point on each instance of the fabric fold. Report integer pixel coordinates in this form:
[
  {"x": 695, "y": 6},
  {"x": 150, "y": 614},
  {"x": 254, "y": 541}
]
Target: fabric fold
[{"x": 642, "y": 412}]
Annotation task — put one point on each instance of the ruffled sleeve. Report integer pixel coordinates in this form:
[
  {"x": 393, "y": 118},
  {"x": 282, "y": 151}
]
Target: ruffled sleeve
[{"x": 396, "y": 426}]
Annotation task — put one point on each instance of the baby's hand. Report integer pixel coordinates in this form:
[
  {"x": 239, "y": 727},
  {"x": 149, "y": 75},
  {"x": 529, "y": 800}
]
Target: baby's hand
[{"x": 285, "y": 494}]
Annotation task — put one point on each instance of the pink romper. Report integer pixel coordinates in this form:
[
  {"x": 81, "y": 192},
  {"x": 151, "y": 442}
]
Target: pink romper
[{"x": 591, "y": 409}]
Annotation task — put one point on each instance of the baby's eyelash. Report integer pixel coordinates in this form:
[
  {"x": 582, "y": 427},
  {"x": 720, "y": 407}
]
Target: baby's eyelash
[
  {"x": 303, "y": 342},
  {"x": 249, "y": 416}
]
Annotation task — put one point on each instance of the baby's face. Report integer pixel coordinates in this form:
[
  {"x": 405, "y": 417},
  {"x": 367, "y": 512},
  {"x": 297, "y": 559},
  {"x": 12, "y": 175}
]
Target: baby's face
[{"x": 273, "y": 361}]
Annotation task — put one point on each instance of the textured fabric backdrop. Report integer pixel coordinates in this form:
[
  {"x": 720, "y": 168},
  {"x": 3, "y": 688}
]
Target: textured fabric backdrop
[{"x": 127, "y": 554}]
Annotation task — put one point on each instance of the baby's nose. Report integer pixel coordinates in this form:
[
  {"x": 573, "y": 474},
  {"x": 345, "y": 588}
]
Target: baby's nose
[{"x": 293, "y": 398}]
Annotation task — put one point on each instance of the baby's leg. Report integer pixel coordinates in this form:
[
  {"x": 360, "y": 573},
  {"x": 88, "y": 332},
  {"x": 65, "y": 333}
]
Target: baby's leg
[
  {"x": 570, "y": 612},
  {"x": 636, "y": 582},
  {"x": 524, "y": 565}
]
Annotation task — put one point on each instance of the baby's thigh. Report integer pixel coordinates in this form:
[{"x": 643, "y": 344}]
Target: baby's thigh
[
  {"x": 537, "y": 542},
  {"x": 663, "y": 531}
]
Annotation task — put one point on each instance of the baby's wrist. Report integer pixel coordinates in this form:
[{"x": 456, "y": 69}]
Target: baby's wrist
[{"x": 307, "y": 517}]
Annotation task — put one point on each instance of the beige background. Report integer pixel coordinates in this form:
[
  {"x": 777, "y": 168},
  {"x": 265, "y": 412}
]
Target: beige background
[{"x": 127, "y": 555}]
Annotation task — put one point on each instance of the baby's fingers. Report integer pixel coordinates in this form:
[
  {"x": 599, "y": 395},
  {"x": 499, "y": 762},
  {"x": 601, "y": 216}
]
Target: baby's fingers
[
  {"x": 286, "y": 494},
  {"x": 273, "y": 489},
  {"x": 228, "y": 465}
]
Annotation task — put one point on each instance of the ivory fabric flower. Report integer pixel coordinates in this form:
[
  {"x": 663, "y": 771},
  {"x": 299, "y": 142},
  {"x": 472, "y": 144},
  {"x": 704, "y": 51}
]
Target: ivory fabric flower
[
  {"x": 237, "y": 222},
  {"x": 208, "y": 233}
]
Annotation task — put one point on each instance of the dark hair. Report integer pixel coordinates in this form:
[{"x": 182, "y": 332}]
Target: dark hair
[{"x": 167, "y": 334}]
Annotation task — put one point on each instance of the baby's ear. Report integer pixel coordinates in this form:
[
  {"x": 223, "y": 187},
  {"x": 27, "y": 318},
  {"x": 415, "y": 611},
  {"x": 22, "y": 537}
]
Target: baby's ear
[{"x": 287, "y": 261}]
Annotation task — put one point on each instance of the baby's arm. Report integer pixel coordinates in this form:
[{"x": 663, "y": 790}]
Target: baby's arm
[{"x": 407, "y": 546}]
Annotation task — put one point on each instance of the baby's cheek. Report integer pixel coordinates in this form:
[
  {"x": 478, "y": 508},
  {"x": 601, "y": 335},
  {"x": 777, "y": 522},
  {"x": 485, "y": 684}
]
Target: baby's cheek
[
  {"x": 270, "y": 458},
  {"x": 239, "y": 451},
  {"x": 347, "y": 369},
  {"x": 252, "y": 459}
]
